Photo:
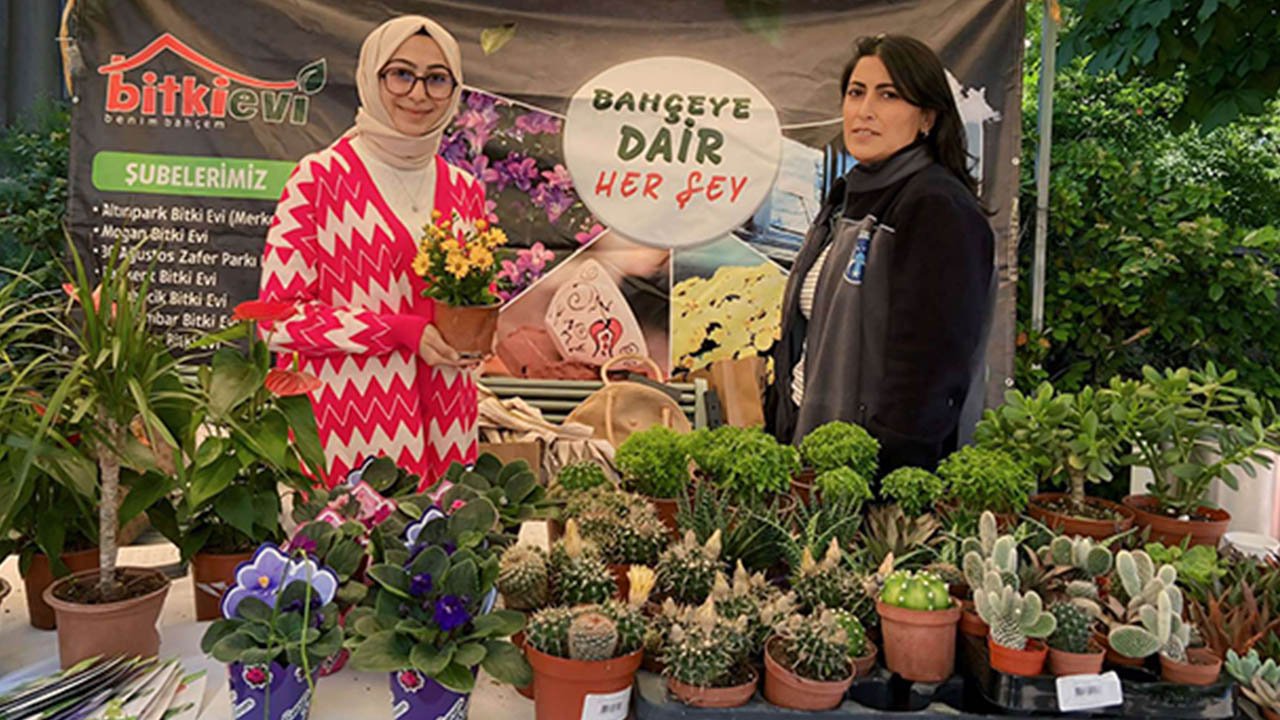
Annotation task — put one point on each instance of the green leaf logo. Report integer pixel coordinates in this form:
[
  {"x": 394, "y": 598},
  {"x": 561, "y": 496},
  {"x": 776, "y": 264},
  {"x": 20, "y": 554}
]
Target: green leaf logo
[{"x": 312, "y": 77}]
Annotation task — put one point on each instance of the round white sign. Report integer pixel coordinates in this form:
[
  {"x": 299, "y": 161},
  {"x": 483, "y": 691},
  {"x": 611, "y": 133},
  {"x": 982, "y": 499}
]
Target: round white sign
[{"x": 671, "y": 151}]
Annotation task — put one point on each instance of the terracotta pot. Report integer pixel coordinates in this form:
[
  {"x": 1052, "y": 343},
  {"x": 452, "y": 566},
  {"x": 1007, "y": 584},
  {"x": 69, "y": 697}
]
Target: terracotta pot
[
  {"x": 971, "y": 623},
  {"x": 519, "y": 641},
  {"x": 1171, "y": 531},
  {"x": 1270, "y": 714},
  {"x": 866, "y": 664},
  {"x": 653, "y": 664},
  {"x": 1202, "y": 668},
  {"x": 1062, "y": 662},
  {"x": 802, "y": 485},
  {"x": 620, "y": 580},
  {"x": 561, "y": 685},
  {"x": 919, "y": 645},
  {"x": 555, "y": 531},
  {"x": 667, "y": 509},
  {"x": 40, "y": 576},
  {"x": 211, "y": 574},
  {"x": 784, "y": 688},
  {"x": 1116, "y": 658},
  {"x": 1027, "y": 663},
  {"x": 709, "y": 697},
  {"x": 126, "y": 627},
  {"x": 1071, "y": 525},
  {"x": 469, "y": 330}
]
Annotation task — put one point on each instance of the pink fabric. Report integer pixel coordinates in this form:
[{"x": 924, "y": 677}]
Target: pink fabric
[{"x": 337, "y": 251}]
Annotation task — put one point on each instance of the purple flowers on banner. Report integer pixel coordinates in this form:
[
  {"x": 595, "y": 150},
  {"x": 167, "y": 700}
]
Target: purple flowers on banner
[
  {"x": 269, "y": 572},
  {"x": 519, "y": 274}
]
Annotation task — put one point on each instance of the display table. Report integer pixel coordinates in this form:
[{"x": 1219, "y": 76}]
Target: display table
[{"x": 27, "y": 653}]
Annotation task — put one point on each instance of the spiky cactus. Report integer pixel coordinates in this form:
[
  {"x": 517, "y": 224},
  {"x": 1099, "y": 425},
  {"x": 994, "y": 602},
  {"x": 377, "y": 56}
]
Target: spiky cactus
[
  {"x": 915, "y": 591},
  {"x": 641, "y": 580},
  {"x": 578, "y": 575},
  {"x": 1074, "y": 628},
  {"x": 1082, "y": 554},
  {"x": 854, "y": 630},
  {"x": 626, "y": 528},
  {"x": 522, "y": 577},
  {"x": 815, "y": 647},
  {"x": 629, "y": 622},
  {"x": 687, "y": 570},
  {"x": 1013, "y": 618},
  {"x": 1160, "y": 629},
  {"x": 745, "y": 598},
  {"x": 548, "y": 631},
  {"x": 580, "y": 477},
  {"x": 824, "y": 583},
  {"x": 702, "y": 647},
  {"x": 592, "y": 636}
]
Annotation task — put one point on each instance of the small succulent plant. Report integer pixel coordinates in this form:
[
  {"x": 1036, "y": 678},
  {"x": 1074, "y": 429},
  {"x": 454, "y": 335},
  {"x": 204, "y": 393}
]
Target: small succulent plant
[{"x": 687, "y": 570}]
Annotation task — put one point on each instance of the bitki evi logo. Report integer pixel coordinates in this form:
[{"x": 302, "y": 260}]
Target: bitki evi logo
[{"x": 152, "y": 98}]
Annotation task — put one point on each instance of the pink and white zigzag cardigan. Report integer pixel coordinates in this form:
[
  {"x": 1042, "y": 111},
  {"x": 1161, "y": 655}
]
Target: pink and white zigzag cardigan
[{"x": 337, "y": 251}]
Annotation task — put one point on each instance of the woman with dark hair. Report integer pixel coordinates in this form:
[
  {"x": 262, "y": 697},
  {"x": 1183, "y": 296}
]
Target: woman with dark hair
[{"x": 886, "y": 309}]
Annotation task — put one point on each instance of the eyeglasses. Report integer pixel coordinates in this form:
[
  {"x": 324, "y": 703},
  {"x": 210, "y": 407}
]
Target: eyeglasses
[{"x": 439, "y": 84}]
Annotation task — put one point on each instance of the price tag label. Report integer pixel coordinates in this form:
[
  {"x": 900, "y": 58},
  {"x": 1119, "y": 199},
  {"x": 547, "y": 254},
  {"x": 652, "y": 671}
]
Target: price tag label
[
  {"x": 613, "y": 706},
  {"x": 1087, "y": 692}
]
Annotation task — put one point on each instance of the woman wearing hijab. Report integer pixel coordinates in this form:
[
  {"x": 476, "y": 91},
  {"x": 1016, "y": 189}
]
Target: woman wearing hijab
[
  {"x": 340, "y": 249},
  {"x": 888, "y": 301}
]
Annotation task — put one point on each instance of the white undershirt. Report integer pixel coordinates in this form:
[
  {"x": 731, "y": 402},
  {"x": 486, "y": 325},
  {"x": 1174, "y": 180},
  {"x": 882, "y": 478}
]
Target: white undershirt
[
  {"x": 399, "y": 187},
  {"x": 808, "y": 289}
]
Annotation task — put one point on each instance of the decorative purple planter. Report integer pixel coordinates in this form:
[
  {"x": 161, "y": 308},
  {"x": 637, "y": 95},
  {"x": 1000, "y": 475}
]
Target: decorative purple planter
[
  {"x": 290, "y": 698},
  {"x": 415, "y": 696}
]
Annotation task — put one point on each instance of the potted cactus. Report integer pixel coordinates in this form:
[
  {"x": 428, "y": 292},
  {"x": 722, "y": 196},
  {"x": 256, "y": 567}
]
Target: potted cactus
[
  {"x": 522, "y": 577},
  {"x": 823, "y": 583},
  {"x": 1161, "y": 629},
  {"x": 989, "y": 552},
  {"x": 571, "y": 481},
  {"x": 1018, "y": 625},
  {"x": 918, "y": 622},
  {"x": 1072, "y": 649},
  {"x": 576, "y": 652},
  {"x": 807, "y": 664},
  {"x": 1259, "y": 681},
  {"x": 835, "y": 445},
  {"x": 626, "y": 529},
  {"x": 578, "y": 576},
  {"x": 705, "y": 658},
  {"x": 861, "y": 650},
  {"x": 687, "y": 570}
]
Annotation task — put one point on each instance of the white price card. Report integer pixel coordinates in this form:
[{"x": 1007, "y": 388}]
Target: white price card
[
  {"x": 1086, "y": 692},
  {"x": 613, "y": 706}
]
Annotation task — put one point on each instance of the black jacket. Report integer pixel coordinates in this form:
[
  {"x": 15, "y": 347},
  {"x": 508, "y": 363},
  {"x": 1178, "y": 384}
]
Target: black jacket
[{"x": 897, "y": 347}]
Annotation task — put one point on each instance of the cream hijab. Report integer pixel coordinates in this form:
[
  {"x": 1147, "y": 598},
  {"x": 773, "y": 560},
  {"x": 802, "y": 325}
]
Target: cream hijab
[{"x": 373, "y": 121}]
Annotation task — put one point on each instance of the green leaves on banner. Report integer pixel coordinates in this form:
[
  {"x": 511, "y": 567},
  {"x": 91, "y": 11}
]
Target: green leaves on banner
[
  {"x": 492, "y": 39},
  {"x": 312, "y": 77}
]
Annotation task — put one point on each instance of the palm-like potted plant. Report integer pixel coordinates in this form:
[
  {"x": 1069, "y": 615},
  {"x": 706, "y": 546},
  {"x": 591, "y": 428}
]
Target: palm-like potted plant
[
  {"x": 123, "y": 392},
  {"x": 253, "y": 431},
  {"x": 1190, "y": 427},
  {"x": 1063, "y": 437}
]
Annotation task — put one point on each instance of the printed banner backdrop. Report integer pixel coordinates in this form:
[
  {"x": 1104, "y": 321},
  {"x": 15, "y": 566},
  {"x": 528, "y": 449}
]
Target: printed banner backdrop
[{"x": 655, "y": 164}]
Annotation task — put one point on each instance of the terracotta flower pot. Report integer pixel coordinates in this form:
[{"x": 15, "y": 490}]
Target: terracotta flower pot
[
  {"x": 1270, "y": 714},
  {"x": 620, "y": 580},
  {"x": 519, "y": 641},
  {"x": 1171, "y": 531},
  {"x": 1114, "y": 658},
  {"x": 864, "y": 665},
  {"x": 1202, "y": 668},
  {"x": 126, "y": 627},
  {"x": 1070, "y": 525},
  {"x": 802, "y": 485},
  {"x": 561, "y": 685},
  {"x": 784, "y": 688},
  {"x": 971, "y": 623},
  {"x": 469, "y": 330},
  {"x": 1027, "y": 663},
  {"x": 40, "y": 576},
  {"x": 212, "y": 574},
  {"x": 667, "y": 509},
  {"x": 1062, "y": 662},
  {"x": 714, "y": 697},
  {"x": 919, "y": 645}
]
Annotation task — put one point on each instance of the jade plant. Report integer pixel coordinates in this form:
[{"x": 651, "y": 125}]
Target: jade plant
[
  {"x": 815, "y": 647},
  {"x": 1013, "y": 618},
  {"x": 1061, "y": 436},
  {"x": 984, "y": 479},
  {"x": 1191, "y": 427},
  {"x": 840, "y": 444},
  {"x": 577, "y": 573},
  {"x": 687, "y": 570},
  {"x": 653, "y": 463},
  {"x": 914, "y": 489},
  {"x": 915, "y": 591},
  {"x": 588, "y": 633},
  {"x": 523, "y": 577}
]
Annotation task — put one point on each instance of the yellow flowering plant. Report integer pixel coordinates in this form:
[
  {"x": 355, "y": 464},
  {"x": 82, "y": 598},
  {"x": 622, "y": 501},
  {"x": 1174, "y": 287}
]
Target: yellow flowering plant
[{"x": 459, "y": 260}]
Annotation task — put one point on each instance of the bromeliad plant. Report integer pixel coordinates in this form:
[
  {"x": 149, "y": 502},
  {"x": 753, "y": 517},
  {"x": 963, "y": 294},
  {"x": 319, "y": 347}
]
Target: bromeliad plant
[
  {"x": 431, "y": 609},
  {"x": 253, "y": 430},
  {"x": 280, "y": 612}
]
